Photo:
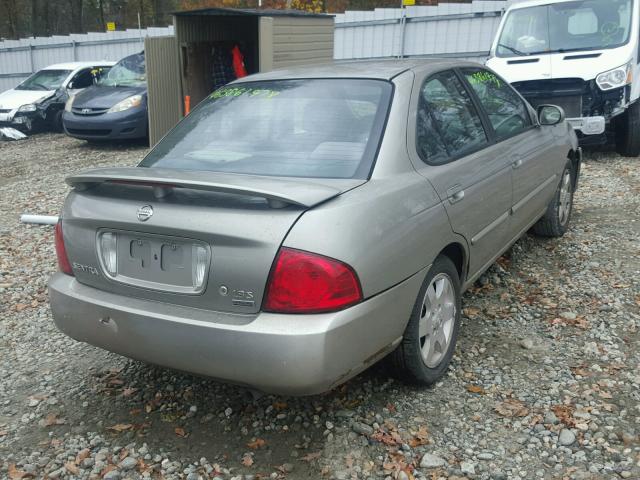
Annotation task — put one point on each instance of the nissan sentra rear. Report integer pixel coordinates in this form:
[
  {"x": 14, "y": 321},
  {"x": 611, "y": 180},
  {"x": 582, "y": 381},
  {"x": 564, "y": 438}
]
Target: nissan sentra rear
[
  {"x": 180, "y": 261},
  {"x": 298, "y": 226}
]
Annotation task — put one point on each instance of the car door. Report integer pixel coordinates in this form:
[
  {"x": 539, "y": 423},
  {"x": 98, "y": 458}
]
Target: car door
[
  {"x": 451, "y": 145},
  {"x": 532, "y": 150}
]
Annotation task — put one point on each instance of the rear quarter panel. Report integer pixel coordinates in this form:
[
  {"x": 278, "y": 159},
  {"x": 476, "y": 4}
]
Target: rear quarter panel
[{"x": 387, "y": 230}]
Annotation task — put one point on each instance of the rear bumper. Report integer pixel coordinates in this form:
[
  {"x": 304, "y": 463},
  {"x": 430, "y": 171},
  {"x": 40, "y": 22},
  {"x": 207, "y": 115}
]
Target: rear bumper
[
  {"x": 107, "y": 126},
  {"x": 285, "y": 354}
]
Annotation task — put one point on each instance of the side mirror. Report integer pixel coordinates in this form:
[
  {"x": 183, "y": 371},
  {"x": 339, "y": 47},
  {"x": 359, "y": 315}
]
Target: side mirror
[
  {"x": 70, "y": 86},
  {"x": 549, "y": 115}
]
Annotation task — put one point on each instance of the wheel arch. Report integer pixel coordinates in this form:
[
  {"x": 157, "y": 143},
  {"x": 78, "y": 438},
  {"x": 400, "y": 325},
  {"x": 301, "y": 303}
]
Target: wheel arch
[
  {"x": 575, "y": 156},
  {"x": 457, "y": 253}
]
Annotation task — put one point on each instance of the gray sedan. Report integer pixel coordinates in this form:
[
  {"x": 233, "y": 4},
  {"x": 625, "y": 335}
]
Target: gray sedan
[{"x": 300, "y": 225}]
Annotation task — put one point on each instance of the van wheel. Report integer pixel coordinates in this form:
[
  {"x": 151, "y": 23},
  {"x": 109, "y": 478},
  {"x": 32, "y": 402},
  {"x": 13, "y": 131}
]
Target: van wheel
[
  {"x": 627, "y": 132},
  {"x": 555, "y": 221},
  {"x": 430, "y": 338}
]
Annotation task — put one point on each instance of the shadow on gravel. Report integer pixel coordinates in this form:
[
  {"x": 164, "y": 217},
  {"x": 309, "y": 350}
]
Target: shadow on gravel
[
  {"x": 197, "y": 417},
  {"x": 117, "y": 145}
]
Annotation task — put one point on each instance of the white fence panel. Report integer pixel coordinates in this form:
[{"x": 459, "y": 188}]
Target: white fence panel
[
  {"x": 463, "y": 30},
  {"x": 20, "y": 58}
]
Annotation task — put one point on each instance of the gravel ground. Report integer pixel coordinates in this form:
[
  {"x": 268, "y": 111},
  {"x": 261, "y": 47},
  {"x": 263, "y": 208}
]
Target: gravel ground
[{"x": 545, "y": 384}]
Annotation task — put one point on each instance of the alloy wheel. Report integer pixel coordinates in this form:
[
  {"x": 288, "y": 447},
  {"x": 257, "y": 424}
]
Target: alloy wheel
[
  {"x": 437, "y": 320},
  {"x": 566, "y": 198}
]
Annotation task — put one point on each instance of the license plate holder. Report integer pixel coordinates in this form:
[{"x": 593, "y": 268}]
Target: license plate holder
[{"x": 157, "y": 262}]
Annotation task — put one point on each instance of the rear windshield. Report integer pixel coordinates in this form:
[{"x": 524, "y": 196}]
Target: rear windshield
[{"x": 294, "y": 128}]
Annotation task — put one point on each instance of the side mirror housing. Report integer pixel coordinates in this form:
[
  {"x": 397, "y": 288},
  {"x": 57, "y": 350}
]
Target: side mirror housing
[
  {"x": 549, "y": 115},
  {"x": 70, "y": 86}
]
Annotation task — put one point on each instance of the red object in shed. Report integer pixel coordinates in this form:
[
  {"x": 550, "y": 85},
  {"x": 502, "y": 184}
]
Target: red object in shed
[{"x": 238, "y": 62}]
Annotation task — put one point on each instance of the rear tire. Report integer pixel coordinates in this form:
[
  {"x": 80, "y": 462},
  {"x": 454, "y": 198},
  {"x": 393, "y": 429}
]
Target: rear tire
[
  {"x": 627, "y": 131},
  {"x": 556, "y": 219},
  {"x": 430, "y": 338}
]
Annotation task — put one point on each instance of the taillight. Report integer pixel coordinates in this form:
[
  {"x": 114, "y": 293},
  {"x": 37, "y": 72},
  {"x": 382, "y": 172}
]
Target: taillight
[
  {"x": 303, "y": 282},
  {"x": 61, "y": 252}
]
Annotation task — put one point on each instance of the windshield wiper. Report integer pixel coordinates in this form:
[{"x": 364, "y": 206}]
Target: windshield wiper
[
  {"x": 568, "y": 50},
  {"x": 513, "y": 50}
]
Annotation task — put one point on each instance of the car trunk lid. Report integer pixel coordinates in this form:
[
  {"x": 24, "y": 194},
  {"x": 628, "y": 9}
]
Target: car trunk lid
[{"x": 166, "y": 230}]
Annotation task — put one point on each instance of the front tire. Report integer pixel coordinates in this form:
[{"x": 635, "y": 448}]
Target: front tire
[
  {"x": 56, "y": 124},
  {"x": 430, "y": 338},
  {"x": 556, "y": 219},
  {"x": 627, "y": 131}
]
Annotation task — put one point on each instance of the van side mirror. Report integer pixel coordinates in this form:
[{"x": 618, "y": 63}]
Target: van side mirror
[
  {"x": 550, "y": 115},
  {"x": 70, "y": 86}
]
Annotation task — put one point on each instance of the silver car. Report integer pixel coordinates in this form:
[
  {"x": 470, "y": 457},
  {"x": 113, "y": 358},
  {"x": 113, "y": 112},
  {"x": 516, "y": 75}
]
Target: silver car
[{"x": 300, "y": 225}]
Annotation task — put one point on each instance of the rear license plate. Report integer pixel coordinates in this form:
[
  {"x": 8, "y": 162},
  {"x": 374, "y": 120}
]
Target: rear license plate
[{"x": 153, "y": 261}]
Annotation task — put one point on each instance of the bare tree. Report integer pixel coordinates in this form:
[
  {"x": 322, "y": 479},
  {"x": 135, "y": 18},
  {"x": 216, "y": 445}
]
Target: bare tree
[
  {"x": 34, "y": 18},
  {"x": 9, "y": 10},
  {"x": 158, "y": 14},
  {"x": 101, "y": 11},
  {"x": 76, "y": 15}
]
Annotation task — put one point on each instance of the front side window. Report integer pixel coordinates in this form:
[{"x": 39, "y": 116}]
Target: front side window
[
  {"x": 566, "y": 27},
  {"x": 448, "y": 124},
  {"x": 507, "y": 112},
  {"x": 290, "y": 128},
  {"x": 45, "y": 80},
  {"x": 82, "y": 79}
]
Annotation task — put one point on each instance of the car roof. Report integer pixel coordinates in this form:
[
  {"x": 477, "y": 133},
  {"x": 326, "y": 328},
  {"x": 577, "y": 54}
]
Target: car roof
[
  {"x": 75, "y": 65},
  {"x": 375, "y": 69}
]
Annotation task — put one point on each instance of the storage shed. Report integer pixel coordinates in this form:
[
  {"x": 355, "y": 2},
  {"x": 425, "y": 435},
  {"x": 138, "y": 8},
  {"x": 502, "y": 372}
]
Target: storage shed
[{"x": 182, "y": 70}]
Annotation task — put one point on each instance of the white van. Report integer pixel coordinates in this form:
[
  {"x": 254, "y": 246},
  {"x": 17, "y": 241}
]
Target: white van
[{"x": 581, "y": 55}]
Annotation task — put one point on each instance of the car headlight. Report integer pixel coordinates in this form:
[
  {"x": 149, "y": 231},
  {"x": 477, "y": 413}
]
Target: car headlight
[
  {"x": 618, "y": 77},
  {"x": 30, "y": 107},
  {"x": 126, "y": 104},
  {"x": 69, "y": 104}
]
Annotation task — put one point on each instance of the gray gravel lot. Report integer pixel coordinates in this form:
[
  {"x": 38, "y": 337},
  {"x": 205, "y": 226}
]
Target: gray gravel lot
[{"x": 545, "y": 384}]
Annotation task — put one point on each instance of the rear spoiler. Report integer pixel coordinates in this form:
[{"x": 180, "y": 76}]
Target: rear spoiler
[{"x": 279, "y": 192}]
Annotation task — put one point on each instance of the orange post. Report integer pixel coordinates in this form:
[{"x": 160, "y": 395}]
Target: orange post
[{"x": 187, "y": 105}]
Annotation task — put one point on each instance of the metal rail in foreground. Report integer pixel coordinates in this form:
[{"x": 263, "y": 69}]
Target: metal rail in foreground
[{"x": 39, "y": 219}]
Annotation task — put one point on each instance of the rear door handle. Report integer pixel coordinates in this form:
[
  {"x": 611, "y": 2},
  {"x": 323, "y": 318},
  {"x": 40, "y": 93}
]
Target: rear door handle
[
  {"x": 455, "y": 194},
  {"x": 517, "y": 163}
]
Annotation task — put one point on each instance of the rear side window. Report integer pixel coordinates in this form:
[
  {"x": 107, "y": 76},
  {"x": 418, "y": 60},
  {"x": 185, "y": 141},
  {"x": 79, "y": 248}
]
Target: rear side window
[
  {"x": 507, "y": 112},
  {"x": 448, "y": 125}
]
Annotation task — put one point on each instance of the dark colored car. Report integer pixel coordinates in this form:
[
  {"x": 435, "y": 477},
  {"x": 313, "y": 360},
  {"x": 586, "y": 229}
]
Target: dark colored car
[{"x": 114, "y": 108}]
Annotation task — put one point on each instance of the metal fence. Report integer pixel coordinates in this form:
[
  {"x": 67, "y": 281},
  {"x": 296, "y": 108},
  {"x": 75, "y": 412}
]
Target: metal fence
[
  {"x": 463, "y": 30},
  {"x": 20, "y": 58}
]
